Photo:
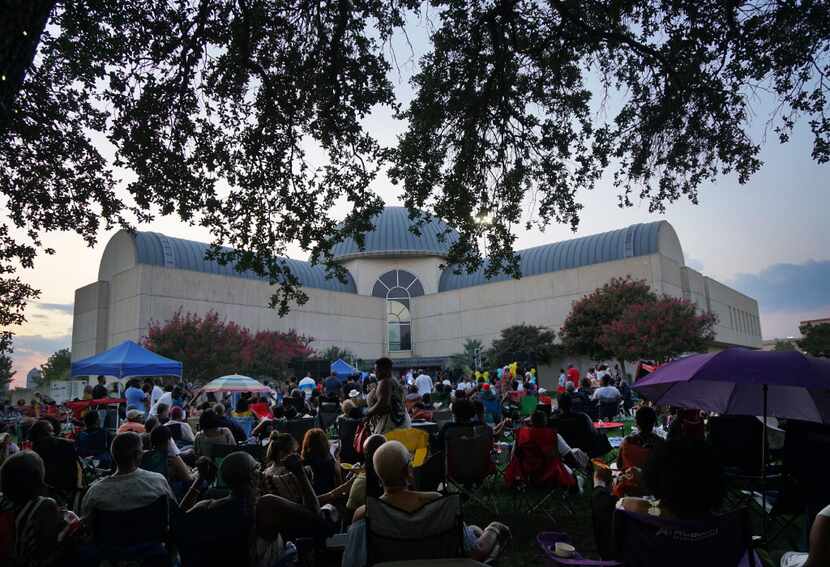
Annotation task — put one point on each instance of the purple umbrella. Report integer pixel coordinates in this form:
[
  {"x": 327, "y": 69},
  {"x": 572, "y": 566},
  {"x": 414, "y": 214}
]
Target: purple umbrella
[{"x": 740, "y": 381}]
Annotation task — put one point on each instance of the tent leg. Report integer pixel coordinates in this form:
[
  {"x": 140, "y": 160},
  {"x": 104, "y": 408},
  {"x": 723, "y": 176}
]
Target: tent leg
[{"x": 764, "y": 470}]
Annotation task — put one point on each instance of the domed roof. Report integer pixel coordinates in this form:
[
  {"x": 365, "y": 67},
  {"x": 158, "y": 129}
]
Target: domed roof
[{"x": 392, "y": 237}]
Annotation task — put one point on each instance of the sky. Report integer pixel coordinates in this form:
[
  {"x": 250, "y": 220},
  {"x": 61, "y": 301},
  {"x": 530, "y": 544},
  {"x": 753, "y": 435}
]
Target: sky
[{"x": 768, "y": 238}]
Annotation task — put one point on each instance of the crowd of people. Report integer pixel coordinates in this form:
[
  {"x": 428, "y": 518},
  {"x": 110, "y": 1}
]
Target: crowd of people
[{"x": 236, "y": 484}]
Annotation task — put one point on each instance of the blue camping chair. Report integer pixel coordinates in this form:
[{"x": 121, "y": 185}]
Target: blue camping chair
[
  {"x": 492, "y": 410},
  {"x": 246, "y": 423}
]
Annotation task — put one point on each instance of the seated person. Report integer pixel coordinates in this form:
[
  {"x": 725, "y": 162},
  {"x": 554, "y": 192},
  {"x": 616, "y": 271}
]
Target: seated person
[
  {"x": 276, "y": 478},
  {"x": 420, "y": 412},
  {"x": 463, "y": 415},
  {"x": 366, "y": 483},
  {"x": 545, "y": 443},
  {"x": 606, "y": 394},
  {"x": 819, "y": 554},
  {"x": 60, "y": 460},
  {"x": 577, "y": 429},
  {"x": 393, "y": 465},
  {"x": 350, "y": 410},
  {"x": 212, "y": 433},
  {"x": 685, "y": 477},
  {"x": 180, "y": 430},
  {"x": 93, "y": 441},
  {"x": 30, "y": 522},
  {"x": 130, "y": 487},
  {"x": 687, "y": 423},
  {"x": 257, "y": 525},
  {"x": 635, "y": 448},
  {"x": 243, "y": 410},
  {"x": 224, "y": 421},
  {"x": 162, "y": 413},
  {"x": 177, "y": 470},
  {"x": 134, "y": 423},
  {"x": 316, "y": 454}
]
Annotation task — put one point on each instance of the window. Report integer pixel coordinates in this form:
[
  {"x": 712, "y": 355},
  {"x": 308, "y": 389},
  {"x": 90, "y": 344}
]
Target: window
[{"x": 398, "y": 287}]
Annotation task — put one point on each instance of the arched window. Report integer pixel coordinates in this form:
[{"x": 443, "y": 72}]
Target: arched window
[{"x": 398, "y": 287}]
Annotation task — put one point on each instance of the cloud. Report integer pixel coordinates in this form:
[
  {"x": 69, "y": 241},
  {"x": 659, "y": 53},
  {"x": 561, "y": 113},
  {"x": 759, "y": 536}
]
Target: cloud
[
  {"x": 66, "y": 308},
  {"x": 788, "y": 287},
  {"x": 30, "y": 351}
]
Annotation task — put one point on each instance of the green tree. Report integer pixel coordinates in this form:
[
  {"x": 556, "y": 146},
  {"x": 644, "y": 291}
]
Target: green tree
[
  {"x": 466, "y": 361},
  {"x": 248, "y": 117},
  {"x": 334, "y": 352},
  {"x": 525, "y": 344},
  {"x": 783, "y": 346},
  {"x": 659, "y": 330},
  {"x": 57, "y": 367},
  {"x": 583, "y": 328},
  {"x": 816, "y": 341},
  {"x": 6, "y": 372}
]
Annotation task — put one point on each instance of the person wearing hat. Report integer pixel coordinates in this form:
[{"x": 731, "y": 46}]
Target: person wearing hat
[{"x": 134, "y": 423}]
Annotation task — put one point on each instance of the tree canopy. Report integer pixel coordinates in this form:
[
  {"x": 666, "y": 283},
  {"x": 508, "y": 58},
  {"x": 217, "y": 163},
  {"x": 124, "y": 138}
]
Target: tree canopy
[
  {"x": 6, "y": 372},
  {"x": 816, "y": 341},
  {"x": 465, "y": 361},
  {"x": 659, "y": 330},
  {"x": 528, "y": 345},
  {"x": 582, "y": 330},
  {"x": 57, "y": 367},
  {"x": 247, "y": 117}
]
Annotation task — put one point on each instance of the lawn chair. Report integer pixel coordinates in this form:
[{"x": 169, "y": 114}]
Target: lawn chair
[
  {"x": 297, "y": 427},
  {"x": 608, "y": 411},
  {"x": 651, "y": 541},
  {"x": 527, "y": 405},
  {"x": 346, "y": 430},
  {"x": 469, "y": 463},
  {"x": 247, "y": 424},
  {"x": 435, "y": 531},
  {"x": 533, "y": 468},
  {"x": 442, "y": 416},
  {"x": 415, "y": 440},
  {"x": 155, "y": 461},
  {"x": 255, "y": 450},
  {"x": 137, "y": 536},
  {"x": 577, "y": 432},
  {"x": 176, "y": 433},
  {"x": 492, "y": 410},
  {"x": 205, "y": 537},
  {"x": 328, "y": 414}
]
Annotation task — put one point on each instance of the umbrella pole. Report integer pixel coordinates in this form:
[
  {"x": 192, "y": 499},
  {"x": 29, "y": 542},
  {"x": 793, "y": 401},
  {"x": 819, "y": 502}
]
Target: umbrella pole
[{"x": 764, "y": 470}]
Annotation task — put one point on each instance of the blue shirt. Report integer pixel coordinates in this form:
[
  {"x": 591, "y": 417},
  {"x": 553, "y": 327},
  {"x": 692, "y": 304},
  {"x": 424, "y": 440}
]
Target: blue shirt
[{"x": 135, "y": 398}]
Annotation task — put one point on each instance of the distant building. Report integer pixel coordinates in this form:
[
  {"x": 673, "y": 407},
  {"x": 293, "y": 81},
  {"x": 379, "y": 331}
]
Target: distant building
[
  {"x": 33, "y": 378},
  {"x": 397, "y": 299}
]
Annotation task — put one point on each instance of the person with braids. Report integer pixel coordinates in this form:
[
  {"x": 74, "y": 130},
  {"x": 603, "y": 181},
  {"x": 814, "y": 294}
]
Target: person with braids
[{"x": 387, "y": 409}]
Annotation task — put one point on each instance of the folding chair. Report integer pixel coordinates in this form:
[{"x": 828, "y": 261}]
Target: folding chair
[
  {"x": 138, "y": 536},
  {"x": 609, "y": 410},
  {"x": 527, "y": 405},
  {"x": 154, "y": 461},
  {"x": 435, "y": 531},
  {"x": 327, "y": 415},
  {"x": 492, "y": 409},
  {"x": 651, "y": 541},
  {"x": 297, "y": 427},
  {"x": 468, "y": 463},
  {"x": 247, "y": 424},
  {"x": 440, "y": 417},
  {"x": 415, "y": 440}
]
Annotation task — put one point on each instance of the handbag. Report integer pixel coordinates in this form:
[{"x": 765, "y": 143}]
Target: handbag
[{"x": 360, "y": 435}]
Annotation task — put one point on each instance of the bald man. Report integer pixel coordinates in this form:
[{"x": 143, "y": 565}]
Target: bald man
[{"x": 392, "y": 463}]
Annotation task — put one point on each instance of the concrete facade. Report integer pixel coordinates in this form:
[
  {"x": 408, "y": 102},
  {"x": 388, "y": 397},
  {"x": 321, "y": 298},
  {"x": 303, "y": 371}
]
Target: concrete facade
[{"x": 135, "y": 288}]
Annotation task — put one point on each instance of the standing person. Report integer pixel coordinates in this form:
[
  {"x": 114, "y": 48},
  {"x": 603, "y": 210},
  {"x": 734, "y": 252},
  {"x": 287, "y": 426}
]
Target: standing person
[
  {"x": 573, "y": 375},
  {"x": 563, "y": 382},
  {"x": 135, "y": 397},
  {"x": 307, "y": 385},
  {"x": 155, "y": 392},
  {"x": 100, "y": 390},
  {"x": 424, "y": 384},
  {"x": 387, "y": 410},
  {"x": 332, "y": 386}
]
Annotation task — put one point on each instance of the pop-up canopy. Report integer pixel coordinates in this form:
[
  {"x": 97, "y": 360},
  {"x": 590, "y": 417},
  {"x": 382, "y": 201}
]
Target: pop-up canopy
[
  {"x": 125, "y": 360},
  {"x": 343, "y": 369}
]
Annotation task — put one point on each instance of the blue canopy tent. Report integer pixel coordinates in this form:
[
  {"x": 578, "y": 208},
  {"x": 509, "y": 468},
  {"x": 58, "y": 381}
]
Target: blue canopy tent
[
  {"x": 343, "y": 369},
  {"x": 126, "y": 360}
]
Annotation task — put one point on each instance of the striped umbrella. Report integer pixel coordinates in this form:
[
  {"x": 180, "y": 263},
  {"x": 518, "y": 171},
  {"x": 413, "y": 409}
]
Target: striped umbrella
[{"x": 235, "y": 383}]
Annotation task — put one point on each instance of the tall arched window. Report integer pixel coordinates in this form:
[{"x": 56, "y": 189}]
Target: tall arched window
[{"x": 398, "y": 287}]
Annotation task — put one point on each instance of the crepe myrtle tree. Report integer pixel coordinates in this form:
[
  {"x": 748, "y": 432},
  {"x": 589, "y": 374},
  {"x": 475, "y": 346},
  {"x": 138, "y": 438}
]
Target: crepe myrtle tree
[{"x": 212, "y": 110}]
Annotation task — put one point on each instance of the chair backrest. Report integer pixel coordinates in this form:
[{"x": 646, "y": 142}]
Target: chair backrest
[
  {"x": 298, "y": 427},
  {"x": 154, "y": 461},
  {"x": 219, "y": 450},
  {"x": 328, "y": 414},
  {"x": 737, "y": 439},
  {"x": 256, "y": 451},
  {"x": 346, "y": 430},
  {"x": 415, "y": 440},
  {"x": 609, "y": 410},
  {"x": 175, "y": 431},
  {"x": 441, "y": 416},
  {"x": 247, "y": 424},
  {"x": 575, "y": 430},
  {"x": 468, "y": 453},
  {"x": 527, "y": 405},
  {"x": 128, "y": 528},
  {"x": 647, "y": 541},
  {"x": 212, "y": 536},
  {"x": 435, "y": 531},
  {"x": 492, "y": 407}
]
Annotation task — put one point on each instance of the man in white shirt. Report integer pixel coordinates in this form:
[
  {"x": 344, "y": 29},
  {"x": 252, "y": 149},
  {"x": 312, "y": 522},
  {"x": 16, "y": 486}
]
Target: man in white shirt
[
  {"x": 156, "y": 394},
  {"x": 424, "y": 384},
  {"x": 130, "y": 487},
  {"x": 165, "y": 398}
]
